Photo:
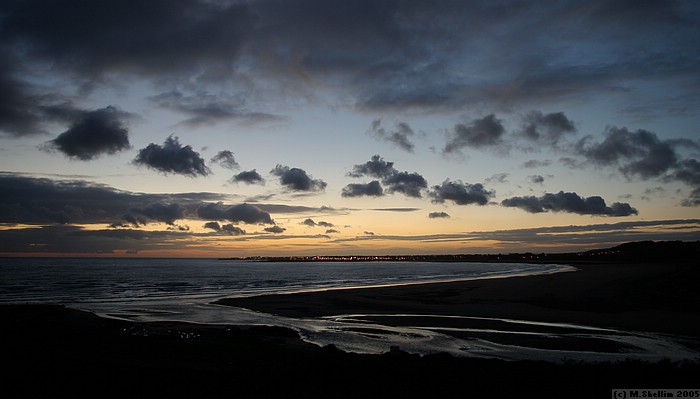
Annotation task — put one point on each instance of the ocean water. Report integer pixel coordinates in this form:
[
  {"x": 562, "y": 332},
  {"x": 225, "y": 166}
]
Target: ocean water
[
  {"x": 86, "y": 282},
  {"x": 184, "y": 289}
]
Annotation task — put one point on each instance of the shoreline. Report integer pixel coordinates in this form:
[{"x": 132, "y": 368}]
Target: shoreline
[
  {"x": 565, "y": 269},
  {"x": 653, "y": 297},
  {"x": 53, "y": 349}
]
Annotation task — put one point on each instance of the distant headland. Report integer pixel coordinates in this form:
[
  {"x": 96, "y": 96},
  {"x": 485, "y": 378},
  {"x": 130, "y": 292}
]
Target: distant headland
[{"x": 639, "y": 251}]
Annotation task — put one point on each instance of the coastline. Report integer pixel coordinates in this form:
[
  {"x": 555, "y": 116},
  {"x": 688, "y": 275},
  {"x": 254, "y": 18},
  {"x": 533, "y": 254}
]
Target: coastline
[
  {"x": 53, "y": 349},
  {"x": 651, "y": 297}
]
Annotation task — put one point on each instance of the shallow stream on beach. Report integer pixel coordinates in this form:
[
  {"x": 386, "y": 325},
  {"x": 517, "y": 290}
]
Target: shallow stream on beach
[{"x": 184, "y": 289}]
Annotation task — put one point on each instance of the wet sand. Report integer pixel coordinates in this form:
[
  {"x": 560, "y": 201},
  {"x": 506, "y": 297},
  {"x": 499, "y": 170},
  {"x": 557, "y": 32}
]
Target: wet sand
[{"x": 659, "y": 298}]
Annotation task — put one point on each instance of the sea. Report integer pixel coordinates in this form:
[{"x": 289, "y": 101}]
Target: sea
[{"x": 150, "y": 290}]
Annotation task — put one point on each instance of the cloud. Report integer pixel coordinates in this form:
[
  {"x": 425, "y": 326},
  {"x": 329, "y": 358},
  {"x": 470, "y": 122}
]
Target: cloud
[
  {"x": 399, "y": 137},
  {"x": 225, "y": 159},
  {"x": 536, "y": 163},
  {"x": 128, "y": 37},
  {"x": 536, "y": 179},
  {"x": 275, "y": 229},
  {"x": 97, "y": 132},
  {"x": 311, "y": 223},
  {"x": 498, "y": 178},
  {"x": 332, "y": 231},
  {"x": 296, "y": 179},
  {"x": 546, "y": 129},
  {"x": 241, "y": 213},
  {"x": 248, "y": 177},
  {"x": 372, "y": 189},
  {"x": 396, "y": 209},
  {"x": 74, "y": 239},
  {"x": 570, "y": 203},
  {"x": 232, "y": 230},
  {"x": 172, "y": 157},
  {"x": 461, "y": 193},
  {"x": 438, "y": 215},
  {"x": 209, "y": 109},
  {"x": 227, "y": 228},
  {"x": 481, "y": 133},
  {"x": 639, "y": 153},
  {"x": 28, "y": 200},
  {"x": 409, "y": 184},
  {"x": 212, "y": 225},
  {"x": 162, "y": 212},
  {"x": 375, "y": 167},
  {"x": 688, "y": 172},
  {"x": 430, "y": 57}
]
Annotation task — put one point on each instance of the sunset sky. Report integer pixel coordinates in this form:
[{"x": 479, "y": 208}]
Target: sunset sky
[{"x": 235, "y": 128}]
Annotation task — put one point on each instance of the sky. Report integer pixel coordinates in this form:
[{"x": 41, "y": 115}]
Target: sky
[{"x": 216, "y": 128}]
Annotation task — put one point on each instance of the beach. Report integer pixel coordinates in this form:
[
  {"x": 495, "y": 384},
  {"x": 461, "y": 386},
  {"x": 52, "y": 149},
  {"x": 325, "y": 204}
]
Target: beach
[
  {"x": 654, "y": 297},
  {"x": 51, "y": 349}
]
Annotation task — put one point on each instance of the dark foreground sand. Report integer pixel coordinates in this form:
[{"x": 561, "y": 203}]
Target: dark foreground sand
[{"x": 49, "y": 350}]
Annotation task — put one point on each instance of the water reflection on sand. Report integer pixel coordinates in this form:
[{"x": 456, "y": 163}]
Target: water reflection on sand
[{"x": 424, "y": 334}]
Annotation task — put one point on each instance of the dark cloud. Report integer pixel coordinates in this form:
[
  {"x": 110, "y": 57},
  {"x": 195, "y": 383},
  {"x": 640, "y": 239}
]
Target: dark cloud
[
  {"x": 536, "y": 163},
  {"x": 27, "y": 200},
  {"x": 76, "y": 240},
  {"x": 152, "y": 38},
  {"x": 570, "y": 203},
  {"x": 172, "y": 157},
  {"x": 162, "y": 212},
  {"x": 438, "y": 215},
  {"x": 643, "y": 155},
  {"x": 375, "y": 167},
  {"x": 546, "y": 129},
  {"x": 332, "y": 231},
  {"x": 97, "y": 132},
  {"x": 226, "y": 159},
  {"x": 461, "y": 193},
  {"x": 409, "y": 184},
  {"x": 433, "y": 57},
  {"x": 280, "y": 208},
  {"x": 399, "y": 137},
  {"x": 372, "y": 189},
  {"x": 480, "y": 133},
  {"x": 32, "y": 200},
  {"x": 396, "y": 209},
  {"x": 275, "y": 229},
  {"x": 232, "y": 230},
  {"x": 639, "y": 153},
  {"x": 241, "y": 213},
  {"x": 248, "y": 177},
  {"x": 687, "y": 171},
  {"x": 537, "y": 179},
  {"x": 498, "y": 178},
  {"x": 209, "y": 109},
  {"x": 227, "y": 228},
  {"x": 311, "y": 223},
  {"x": 212, "y": 225},
  {"x": 693, "y": 199},
  {"x": 296, "y": 179},
  {"x": 25, "y": 110}
]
